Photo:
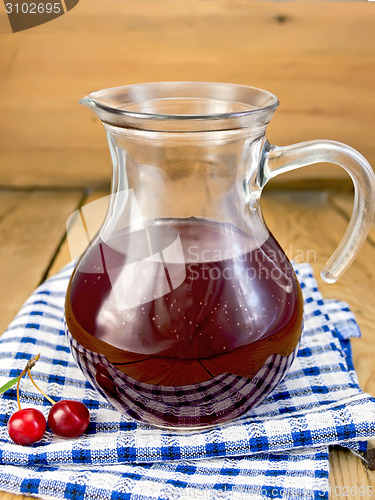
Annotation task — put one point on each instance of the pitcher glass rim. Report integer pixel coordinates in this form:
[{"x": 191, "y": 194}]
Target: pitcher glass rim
[{"x": 143, "y": 106}]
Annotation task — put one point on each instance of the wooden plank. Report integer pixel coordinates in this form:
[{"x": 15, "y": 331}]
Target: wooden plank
[
  {"x": 8, "y": 203},
  {"x": 344, "y": 203},
  {"x": 11, "y": 496},
  {"x": 299, "y": 222},
  {"x": 303, "y": 222},
  {"x": 64, "y": 255},
  {"x": 58, "y": 166},
  {"x": 309, "y": 228},
  {"x": 307, "y": 223},
  {"x": 348, "y": 477},
  {"x": 318, "y": 57},
  {"x": 32, "y": 225},
  {"x": 10, "y": 48}
]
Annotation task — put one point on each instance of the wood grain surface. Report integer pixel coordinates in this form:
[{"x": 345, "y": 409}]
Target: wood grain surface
[
  {"x": 32, "y": 226},
  {"x": 308, "y": 225},
  {"x": 305, "y": 223},
  {"x": 317, "y": 57}
]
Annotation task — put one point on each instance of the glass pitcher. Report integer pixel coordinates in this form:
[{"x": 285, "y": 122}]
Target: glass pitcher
[{"x": 184, "y": 311}]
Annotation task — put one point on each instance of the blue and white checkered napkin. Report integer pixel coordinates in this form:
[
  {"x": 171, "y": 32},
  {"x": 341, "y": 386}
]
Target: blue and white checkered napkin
[{"x": 277, "y": 450}]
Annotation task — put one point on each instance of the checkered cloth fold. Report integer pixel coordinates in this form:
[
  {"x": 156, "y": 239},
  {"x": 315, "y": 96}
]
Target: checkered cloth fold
[{"x": 277, "y": 450}]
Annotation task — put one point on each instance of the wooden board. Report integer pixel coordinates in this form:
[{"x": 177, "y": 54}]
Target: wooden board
[
  {"x": 307, "y": 225},
  {"x": 9, "y": 496},
  {"x": 32, "y": 226},
  {"x": 343, "y": 204},
  {"x": 64, "y": 256},
  {"x": 310, "y": 223},
  {"x": 318, "y": 57}
]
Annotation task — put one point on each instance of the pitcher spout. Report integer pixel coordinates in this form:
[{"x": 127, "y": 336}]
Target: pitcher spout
[
  {"x": 87, "y": 101},
  {"x": 100, "y": 101}
]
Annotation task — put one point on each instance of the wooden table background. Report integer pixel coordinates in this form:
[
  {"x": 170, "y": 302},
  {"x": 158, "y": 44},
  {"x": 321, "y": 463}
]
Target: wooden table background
[{"x": 318, "y": 57}]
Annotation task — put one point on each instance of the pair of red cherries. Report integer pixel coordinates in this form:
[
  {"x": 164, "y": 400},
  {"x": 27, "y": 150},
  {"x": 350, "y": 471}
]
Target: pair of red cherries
[{"x": 66, "y": 418}]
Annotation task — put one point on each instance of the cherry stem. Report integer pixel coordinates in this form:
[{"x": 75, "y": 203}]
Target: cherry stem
[
  {"x": 18, "y": 392},
  {"x": 29, "y": 365},
  {"x": 39, "y": 389}
]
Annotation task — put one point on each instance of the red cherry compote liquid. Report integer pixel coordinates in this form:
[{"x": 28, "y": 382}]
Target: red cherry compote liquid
[{"x": 185, "y": 322}]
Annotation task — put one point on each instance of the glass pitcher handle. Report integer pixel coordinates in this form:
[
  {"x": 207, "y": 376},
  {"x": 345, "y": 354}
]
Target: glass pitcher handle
[{"x": 277, "y": 160}]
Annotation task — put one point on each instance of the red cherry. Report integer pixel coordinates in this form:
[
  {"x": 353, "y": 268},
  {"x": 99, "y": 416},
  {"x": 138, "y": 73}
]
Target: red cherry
[
  {"x": 26, "y": 426},
  {"x": 68, "y": 418}
]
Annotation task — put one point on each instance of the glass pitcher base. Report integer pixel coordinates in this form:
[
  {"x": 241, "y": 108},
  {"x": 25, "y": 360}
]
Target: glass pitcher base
[{"x": 190, "y": 407}]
